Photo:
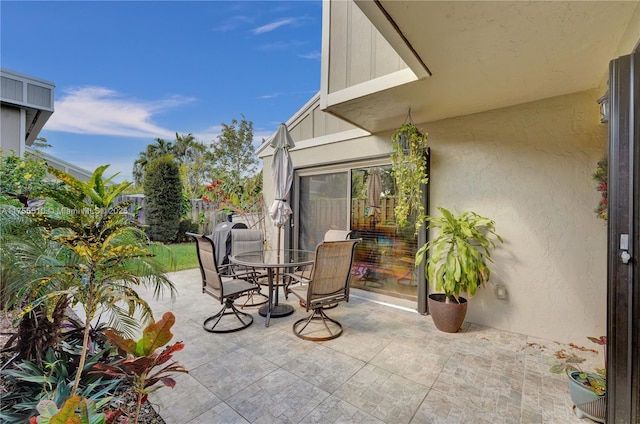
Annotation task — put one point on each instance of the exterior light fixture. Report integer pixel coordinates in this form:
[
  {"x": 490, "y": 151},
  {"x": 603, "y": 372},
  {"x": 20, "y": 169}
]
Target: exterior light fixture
[
  {"x": 501, "y": 292},
  {"x": 603, "y": 102}
]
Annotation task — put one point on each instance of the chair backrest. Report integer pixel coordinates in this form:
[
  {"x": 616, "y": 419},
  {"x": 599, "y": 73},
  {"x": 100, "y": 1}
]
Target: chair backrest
[
  {"x": 246, "y": 240},
  {"x": 336, "y": 235},
  {"x": 330, "y": 276},
  {"x": 211, "y": 280}
]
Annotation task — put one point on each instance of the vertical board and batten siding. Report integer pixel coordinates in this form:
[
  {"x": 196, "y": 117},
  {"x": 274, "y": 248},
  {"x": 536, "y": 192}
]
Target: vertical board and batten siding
[
  {"x": 314, "y": 123},
  {"x": 359, "y": 53},
  {"x": 324, "y": 124}
]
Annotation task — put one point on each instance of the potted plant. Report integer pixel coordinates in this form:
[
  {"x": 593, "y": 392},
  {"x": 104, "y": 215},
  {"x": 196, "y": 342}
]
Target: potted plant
[
  {"x": 457, "y": 263},
  {"x": 409, "y": 150},
  {"x": 587, "y": 388}
]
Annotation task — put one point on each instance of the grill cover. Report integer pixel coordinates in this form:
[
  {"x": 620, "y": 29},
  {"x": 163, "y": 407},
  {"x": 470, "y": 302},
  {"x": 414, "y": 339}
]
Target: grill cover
[{"x": 221, "y": 237}]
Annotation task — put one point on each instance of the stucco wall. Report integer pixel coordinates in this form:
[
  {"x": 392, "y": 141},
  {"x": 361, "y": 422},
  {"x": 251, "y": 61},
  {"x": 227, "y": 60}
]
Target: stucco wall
[{"x": 528, "y": 167}]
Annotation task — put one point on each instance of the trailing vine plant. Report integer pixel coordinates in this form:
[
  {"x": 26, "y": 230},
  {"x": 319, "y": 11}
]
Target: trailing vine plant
[
  {"x": 409, "y": 150},
  {"x": 600, "y": 177}
]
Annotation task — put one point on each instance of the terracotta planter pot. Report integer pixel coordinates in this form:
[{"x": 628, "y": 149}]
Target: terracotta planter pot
[{"x": 447, "y": 317}]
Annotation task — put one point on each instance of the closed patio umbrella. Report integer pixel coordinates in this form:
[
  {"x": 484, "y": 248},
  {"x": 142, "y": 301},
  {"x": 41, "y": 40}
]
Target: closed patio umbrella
[
  {"x": 282, "y": 174},
  {"x": 374, "y": 190}
]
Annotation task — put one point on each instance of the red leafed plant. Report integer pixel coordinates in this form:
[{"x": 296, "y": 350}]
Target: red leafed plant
[
  {"x": 568, "y": 362},
  {"x": 140, "y": 364},
  {"x": 600, "y": 177}
]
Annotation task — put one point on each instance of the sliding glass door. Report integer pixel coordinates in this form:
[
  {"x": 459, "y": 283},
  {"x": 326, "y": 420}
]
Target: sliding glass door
[
  {"x": 360, "y": 198},
  {"x": 384, "y": 260},
  {"x": 323, "y": 205}
]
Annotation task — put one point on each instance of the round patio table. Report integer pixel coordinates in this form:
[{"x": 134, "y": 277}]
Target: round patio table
[{"x": 273, "y": 261}]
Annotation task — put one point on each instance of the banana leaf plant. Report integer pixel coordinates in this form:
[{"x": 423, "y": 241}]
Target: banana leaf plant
[{"x": 458, "y": 258}]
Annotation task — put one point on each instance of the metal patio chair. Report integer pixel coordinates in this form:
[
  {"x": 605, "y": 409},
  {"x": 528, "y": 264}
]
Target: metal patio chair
[
  {"x": 328, "y": 284},
  {"x": 225, "y": 289},
  {"x": 302, "y": 275},
  {"x": 245, "y": 241},
  {"x": 336, "y": 235}
]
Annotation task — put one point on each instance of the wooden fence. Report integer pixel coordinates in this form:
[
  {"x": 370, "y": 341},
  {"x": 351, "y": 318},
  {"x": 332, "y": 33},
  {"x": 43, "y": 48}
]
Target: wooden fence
[
  {"x": 206, "y": 214},
  {"x": 362, "y": 214}
]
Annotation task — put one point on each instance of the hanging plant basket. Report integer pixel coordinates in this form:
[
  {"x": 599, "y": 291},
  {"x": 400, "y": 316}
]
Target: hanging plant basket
[{"x": 409, "y": 150}]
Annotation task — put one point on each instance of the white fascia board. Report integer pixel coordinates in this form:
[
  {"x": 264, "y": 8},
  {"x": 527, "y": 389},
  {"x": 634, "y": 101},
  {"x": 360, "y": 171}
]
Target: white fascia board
[
  {"x": 363, "y": 89},
  {"x": 320, "y": 141},
  {"x": 324, "y": 57},
  {"x": 300, "y": 113}
]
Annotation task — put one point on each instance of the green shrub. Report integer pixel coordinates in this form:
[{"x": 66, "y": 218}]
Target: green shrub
[
  {"x": 30, "y": 383},
  {"x": 163, "y": 192},
  {"x": 186, "y": 225}
]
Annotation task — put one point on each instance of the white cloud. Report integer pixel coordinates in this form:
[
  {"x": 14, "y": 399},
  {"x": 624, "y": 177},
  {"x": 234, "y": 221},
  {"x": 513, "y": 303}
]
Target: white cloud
[
  {"x": 274, "y": 25},
  {"x": 269, "y": 96},
  {"x": 233, "y": 23},
  {"x": 101, "y": 111},
  {"x": 312, "y": 55},
  {"x": 277, "y": 94},
  {"x": 208, "y": 135}
]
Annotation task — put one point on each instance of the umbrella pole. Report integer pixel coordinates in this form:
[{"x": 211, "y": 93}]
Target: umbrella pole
[{"x": 277, "y": 268}]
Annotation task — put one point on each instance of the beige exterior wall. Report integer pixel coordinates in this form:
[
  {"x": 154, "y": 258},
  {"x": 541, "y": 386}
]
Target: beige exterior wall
[
  {"x": 528, "y": 167},
  {"x": 631, "y": 36}
]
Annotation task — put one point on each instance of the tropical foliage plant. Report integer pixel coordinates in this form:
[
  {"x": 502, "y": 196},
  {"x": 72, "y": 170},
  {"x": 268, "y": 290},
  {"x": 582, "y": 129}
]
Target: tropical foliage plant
[
  {"x": 409, "y": 150},
  {"x": 243, "y": 195},
  {"x": 566, "y": 362},
  {"x": 105, "y": 257},
  {"x": 21, "y": 177},
  {"x": 459, "y": 255},
  {"x": 141, "y": 364},
  {"x": 76, "y": 410},
  {"x": 600, "y": 176},
  {"x": 53, "y": 381}
]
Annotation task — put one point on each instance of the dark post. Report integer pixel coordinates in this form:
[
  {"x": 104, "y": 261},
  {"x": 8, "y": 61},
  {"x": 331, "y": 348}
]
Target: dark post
[{"x": 623, "y": 282}]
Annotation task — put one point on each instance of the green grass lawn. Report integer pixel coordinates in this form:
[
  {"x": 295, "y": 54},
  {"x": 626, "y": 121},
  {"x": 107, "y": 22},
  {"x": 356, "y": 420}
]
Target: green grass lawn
[{"x": 185, "y": 256}]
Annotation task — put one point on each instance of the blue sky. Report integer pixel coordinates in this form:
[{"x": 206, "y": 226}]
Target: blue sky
[{"x": 128, "y": 72}]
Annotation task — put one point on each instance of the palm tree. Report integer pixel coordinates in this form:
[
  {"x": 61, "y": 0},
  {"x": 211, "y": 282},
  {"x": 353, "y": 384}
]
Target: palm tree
[
  {"x": 20, "y": 243},
  {"x": 161, "y": 147},
  {"x": 191, "y": 154},
  {"x": 106, "y": 256}
]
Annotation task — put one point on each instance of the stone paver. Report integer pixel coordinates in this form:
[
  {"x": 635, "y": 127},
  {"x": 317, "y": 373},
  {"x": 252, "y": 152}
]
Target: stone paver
[{"x": 390, "y": 366}]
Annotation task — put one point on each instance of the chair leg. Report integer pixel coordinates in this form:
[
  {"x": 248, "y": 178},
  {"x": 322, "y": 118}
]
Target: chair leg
[
  {"x": 228, "y": 309},
  {"x": 318, "y": 315},
  {"x": 251, "y": 299}
]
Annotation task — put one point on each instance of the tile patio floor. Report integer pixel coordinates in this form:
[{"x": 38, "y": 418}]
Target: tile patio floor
[{"x": 390, "y": 366}]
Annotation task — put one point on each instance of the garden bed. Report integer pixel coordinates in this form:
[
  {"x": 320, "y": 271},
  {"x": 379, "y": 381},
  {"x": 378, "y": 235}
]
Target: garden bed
[{"x": 123, "y": 397}]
